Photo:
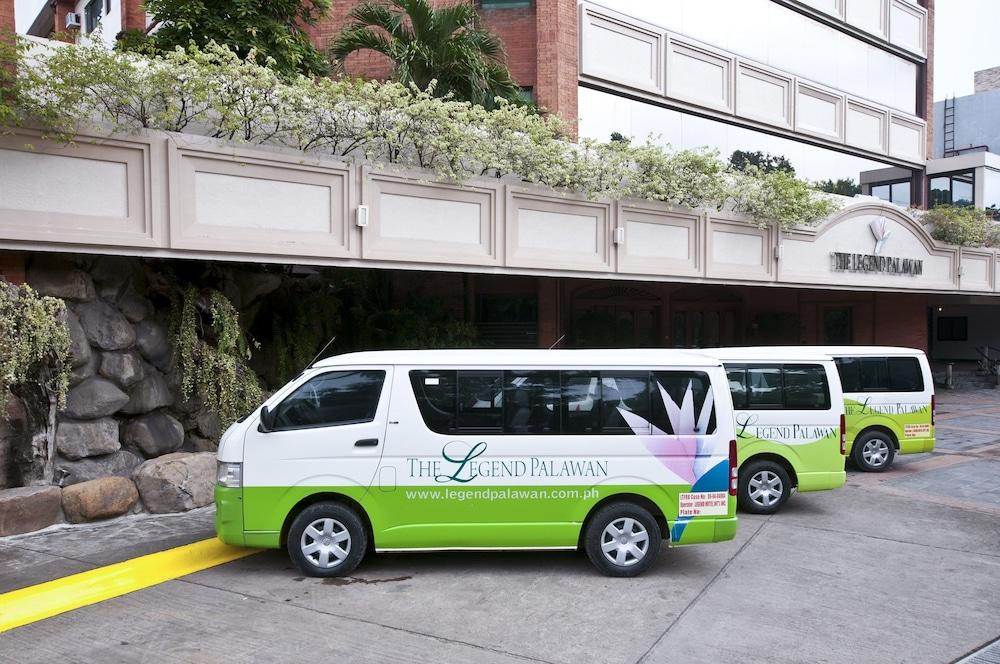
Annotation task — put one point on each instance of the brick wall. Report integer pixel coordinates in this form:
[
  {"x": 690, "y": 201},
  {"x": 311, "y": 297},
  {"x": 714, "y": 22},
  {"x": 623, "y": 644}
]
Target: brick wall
[
  {"x": 6, "y": 15},
  {"x": 901, "y": 320},
  {"x": 927, "y": 103},
  {"x": 133, "y": 15},
  {"x": 555, "y": 89}
]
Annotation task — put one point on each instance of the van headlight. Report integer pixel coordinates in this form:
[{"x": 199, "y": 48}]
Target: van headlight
[{"x": 229, "y": 474}]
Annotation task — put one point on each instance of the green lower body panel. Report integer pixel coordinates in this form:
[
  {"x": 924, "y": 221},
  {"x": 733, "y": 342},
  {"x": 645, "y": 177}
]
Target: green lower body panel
[
  {"x": 432, "y": 517},
  {"x": 821, "y": 481},
  {"x": 916, "y": 445}
]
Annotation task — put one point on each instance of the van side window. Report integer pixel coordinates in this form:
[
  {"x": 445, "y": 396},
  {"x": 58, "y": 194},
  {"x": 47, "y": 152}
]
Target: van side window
[
  {"x": 788, "y": 386},
  {"x": 435, "y": 393},
  {"x": 581, "y": 401},
  {"x": 625, "y": 402},
  {"x": 880, "y": 374},
  {"x": 531, "y": 402},
  {"x": 480, "y": 400},
  {"x": 764, "y": 384},
  {"x": 331, "y": 399},
  {"x": 806, "y": 387},
  {"x": 685, "y": 414}
]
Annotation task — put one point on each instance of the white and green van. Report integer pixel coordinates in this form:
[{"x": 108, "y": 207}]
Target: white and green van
[
  {"x": 789, "y": 423},
  {"x": 608, "y": 451},
  {"x": 889, "y": 402}
]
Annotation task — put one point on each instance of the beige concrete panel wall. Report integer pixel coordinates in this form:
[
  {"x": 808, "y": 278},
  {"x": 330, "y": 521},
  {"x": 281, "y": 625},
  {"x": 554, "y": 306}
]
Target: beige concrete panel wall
[
  {"x": 867, "y": 127},
  {"x": 906, "y": 137},
  {"x": 699, "y": 74},
  {"x": 763, "y": 94},
  {"x": 551, "y": 232},
  {"x": 413, "y": 220},
  {"x": 255, "y": 201},
  {"x": 736, "y": 250},
  {"x": 872, "y": 16},
  {"x": 908, "y": 26},
  {"x": 93, "y": 191},
  {"x": 659, "y": 241},
  {"x": 618, "y": 48},
  {"x": 819, "y": 111},
  {"x": 977, "y": 270}
]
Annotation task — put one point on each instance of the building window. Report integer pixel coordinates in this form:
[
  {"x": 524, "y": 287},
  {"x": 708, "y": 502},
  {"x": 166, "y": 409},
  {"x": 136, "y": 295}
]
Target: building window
[
  {"x": 504, "y": 4},
  {"x": 952, "y": 189},
  {"x": 953, "y": 328},
  {"x": 507, "y": 321},
  {"x": 92, "y": 14},
  {"x": 897, "y": 193},
  {"x": 837, "y": 327}
]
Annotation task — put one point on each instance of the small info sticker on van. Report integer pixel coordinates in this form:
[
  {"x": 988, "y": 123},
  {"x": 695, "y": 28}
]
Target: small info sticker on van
[
  {"x": 916, "y": 430},
  {"x": 704, "y": 503}
]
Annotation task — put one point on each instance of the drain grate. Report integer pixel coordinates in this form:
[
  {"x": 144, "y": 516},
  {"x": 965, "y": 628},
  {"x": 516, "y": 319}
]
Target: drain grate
[{"x": 988, "y": 654}]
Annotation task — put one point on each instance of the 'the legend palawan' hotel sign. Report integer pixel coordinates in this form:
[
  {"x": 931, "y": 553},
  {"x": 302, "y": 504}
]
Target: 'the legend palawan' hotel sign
[{"x": 852, "y": 262}]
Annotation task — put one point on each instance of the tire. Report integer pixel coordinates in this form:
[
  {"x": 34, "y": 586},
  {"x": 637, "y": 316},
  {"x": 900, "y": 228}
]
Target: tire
[
  {"x": 327, "y": 539},
  {"x": 764, "y": 487},
  {"x": 873, "y": 452},
  {"x": 629, "y": 533}
]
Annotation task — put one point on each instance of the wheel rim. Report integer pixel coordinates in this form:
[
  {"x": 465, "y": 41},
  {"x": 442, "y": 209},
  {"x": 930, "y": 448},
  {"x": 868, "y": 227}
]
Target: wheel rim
[
  {"x": 625, "y": 542},
  {"x": 325, "y": 543},
  {"x": 875, "y": 452},
  {"x": 765, "y": 488}
]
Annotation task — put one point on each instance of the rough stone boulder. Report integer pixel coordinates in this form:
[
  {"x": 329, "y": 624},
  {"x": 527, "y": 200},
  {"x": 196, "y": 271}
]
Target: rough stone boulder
[
  {"x": 121, "y": 463},
  {"x": 177, "y": 482},
  {"x": 155, "y": 434},
  {"x": 123, "y": 368},
  {"x": 28, "y": 508},
  {"x": 76, "y": 440},
  {"x": 148, "y": 394},
  {"x": 134, "y": 306},
  {"x": 99, "y": 499},
  {"x": 208, "y": 424},
  {"x": 61, "y": 280},
  {"x": 94, "y": 397},
  {"x": 195, "y": 443},
  {"x": 85, "y": 371},
  {"x": 105, "y": 326},
  {"x": 152, "y": 341},
  {"x": 79, "y": 346}
]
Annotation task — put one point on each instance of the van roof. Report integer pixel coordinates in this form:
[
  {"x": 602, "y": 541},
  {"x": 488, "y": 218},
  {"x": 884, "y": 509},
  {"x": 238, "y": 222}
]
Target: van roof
[
  {"x": 768, "y": 353},
  {"x": 850, "y": 351},
  {"x": 638, "y": 357}
]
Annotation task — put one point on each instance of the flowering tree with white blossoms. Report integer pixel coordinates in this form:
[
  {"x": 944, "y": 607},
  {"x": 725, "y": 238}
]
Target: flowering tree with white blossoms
[{"x": 214, "y": 92}]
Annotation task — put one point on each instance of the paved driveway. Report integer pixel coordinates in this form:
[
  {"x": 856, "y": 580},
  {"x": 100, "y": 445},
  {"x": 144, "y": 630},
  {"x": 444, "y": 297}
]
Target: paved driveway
[{"x": 898, "y": 567}]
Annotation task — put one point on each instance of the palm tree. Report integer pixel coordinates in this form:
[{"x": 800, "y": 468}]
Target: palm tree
[{"x": 448, "y": 44}]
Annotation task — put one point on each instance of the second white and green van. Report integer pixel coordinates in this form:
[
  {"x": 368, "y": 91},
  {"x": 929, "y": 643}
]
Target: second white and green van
[
  {"x": 790, "y": 424},
  {"x": 612, "y": 452}
]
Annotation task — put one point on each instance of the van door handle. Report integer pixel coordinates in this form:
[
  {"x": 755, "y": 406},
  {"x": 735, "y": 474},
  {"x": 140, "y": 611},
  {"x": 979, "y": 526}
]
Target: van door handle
[{"x": 367, "y": 442}]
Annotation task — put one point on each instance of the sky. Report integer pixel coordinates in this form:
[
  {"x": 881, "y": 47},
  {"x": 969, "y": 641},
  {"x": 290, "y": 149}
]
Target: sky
[{"x": 965, "y": 40}]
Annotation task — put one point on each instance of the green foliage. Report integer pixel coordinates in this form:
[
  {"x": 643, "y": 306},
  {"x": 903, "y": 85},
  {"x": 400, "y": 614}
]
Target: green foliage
[
  {"x": 11, "y": 50},
  {"x": 842, "y": 186},
  {"x": 766, "y": 162},
  {"x": 425, "y": 44},
  {"x": 963, "y": 225},
  {"x": 35, "y": 341},
  {"x": 211, "y": 352},
  {"x": 273, "y": 30},
  {"x": 215, "y": 92}
]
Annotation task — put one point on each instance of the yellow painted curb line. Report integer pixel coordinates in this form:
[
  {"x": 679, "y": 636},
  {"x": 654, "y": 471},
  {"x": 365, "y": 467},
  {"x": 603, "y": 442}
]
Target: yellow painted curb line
[{"x": 27, "y": 605}]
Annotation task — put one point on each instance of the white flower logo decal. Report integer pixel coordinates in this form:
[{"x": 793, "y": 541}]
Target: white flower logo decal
[{"x": 881, "y": 232}]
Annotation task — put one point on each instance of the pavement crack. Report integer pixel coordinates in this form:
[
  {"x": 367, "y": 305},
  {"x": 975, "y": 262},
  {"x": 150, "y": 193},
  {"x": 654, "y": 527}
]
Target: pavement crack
[
  {"x": 701, "y": 593},
  {"x": 890, "y": 539},
  {"x": 375, "y": 623}
]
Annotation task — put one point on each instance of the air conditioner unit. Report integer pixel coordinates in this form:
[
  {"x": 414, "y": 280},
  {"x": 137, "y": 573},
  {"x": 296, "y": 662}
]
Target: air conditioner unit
[{"x": 72, "y": 21}]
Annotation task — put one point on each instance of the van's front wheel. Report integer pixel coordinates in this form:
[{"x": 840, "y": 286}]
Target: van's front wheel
[
  {"x": 327, "y": 539},
  {"x": 873, "y": 452},
  {"x": 622, "y": 539},
  {"x": 764, "y": 487}
]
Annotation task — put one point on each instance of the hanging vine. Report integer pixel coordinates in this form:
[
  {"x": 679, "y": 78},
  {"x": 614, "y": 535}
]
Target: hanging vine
[
  {"x": 35, "y": 342},
  {"x": 212, "y": 354}
]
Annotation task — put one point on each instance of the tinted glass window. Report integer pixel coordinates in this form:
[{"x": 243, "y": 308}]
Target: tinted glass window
[
  {"x": 682, "y": 403},
  {"x": 874, "y": 373},
  {"x": 435, "y": 393},
  {"x": 480, "y": 400},
  {"x": 625, "y": 402},
  {"x": 905, "y": 375},
  {"x": 764, "y": 384},
  {"x": 581, "y": 402},
  {"x": 850, "y": 373},
  {"x": 338, "y": 397},
  {"x": 806, "y": 387},
  {"x": 531, "y": 402},
  {"x": 738, "y": 386}
]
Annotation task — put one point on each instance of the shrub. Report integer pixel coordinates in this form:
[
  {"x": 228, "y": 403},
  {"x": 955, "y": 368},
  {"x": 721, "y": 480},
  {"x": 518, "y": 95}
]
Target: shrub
[{"x": 966, "y": 226}]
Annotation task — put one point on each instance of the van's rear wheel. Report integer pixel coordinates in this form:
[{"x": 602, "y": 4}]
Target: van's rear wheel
[
  {"x": 873, "y": 452},
  {"x": 327, "y": 539},
  {"x": 764, "y": 487},
  {"x": 622, "y": 539}
]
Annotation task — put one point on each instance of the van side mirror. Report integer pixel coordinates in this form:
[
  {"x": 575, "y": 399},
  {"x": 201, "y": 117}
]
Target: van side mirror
[{"x": 266, "y": 420}]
